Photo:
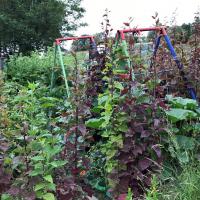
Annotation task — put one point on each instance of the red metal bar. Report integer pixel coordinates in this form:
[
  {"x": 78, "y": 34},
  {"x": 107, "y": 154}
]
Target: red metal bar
[
  {"x": 59, "y": 40},
  {"x": 159, "y": 28},
  {"x": 121, "y": 33}
]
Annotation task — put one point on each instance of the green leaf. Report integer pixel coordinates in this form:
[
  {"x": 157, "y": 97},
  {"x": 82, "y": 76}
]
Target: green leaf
[
  {"x": 33, "y": 86},
  {"x": 47, "y": 105},
  {"x": 94, "y": 123},
  {"x": 184, "y": 142},
  {"x": 48, "y": 178},
  {"x": 196, "y": 128},
  {"x": 39, "y": 186},
  {"x": 110, "y": 153},
  {"x": 6, "y": 197},
  {"x": 96, "y": 109},
  {"x": 51, "y": 186},
  {"x": 99, "y": 187},
  {"x": 37, "y": 158},
  {"x": 36, "y": 172},
  {"x": 179, "y": 102},
  {"x": 51, "y": 151},
  {"x": 102, "y": 99},
  {"x": 123, "y": 128},
  {"x": 176, "y": 114},
  {"x": 48, "y": 196},
  {"x": 58, "y": 163},
  {"x": 198, "y": 111},
  {"x": 129, "y": 195},
  {"x": 107, "y": 133},
  {"x": 183, "y": 157},
  {"x": 118, "y": 85}
]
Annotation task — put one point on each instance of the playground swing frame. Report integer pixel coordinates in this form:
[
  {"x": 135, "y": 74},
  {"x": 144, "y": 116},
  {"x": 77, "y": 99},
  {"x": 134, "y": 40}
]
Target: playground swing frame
[
  {"x": 162, "y": 33},
  {"x": 58, "y": 43}
]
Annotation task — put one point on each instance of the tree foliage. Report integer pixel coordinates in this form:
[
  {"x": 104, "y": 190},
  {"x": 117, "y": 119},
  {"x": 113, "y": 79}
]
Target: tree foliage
[{"x": 34, "y": 24}]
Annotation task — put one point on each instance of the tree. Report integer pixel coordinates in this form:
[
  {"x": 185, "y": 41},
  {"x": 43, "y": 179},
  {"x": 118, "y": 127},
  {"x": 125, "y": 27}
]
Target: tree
[
  {"x": 84, "y": 44},
  {"x": 26, "y": 25}
]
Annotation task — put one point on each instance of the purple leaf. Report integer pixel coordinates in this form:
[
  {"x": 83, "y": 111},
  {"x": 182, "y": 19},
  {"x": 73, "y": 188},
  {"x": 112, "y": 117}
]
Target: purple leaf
[
  {"x": 138, "y": 127},
  {"x": 122, "y": 197},
  {"x": 14, "y": 191},
  {"x": 82, "y": 129},
  {"x": 145, "y": 134},
  {"x": 5, "y": 178},
  {"x": 144, "y": 164},
  {"x": 137, "y": 150},
  {"x": 157, "y": 149},
  {"x": 4, "y": 147},
  {"x": 156, "y": 123},
  {"x": 144, "y": 146},
  {"x": 123, "y": 184},
  {"x": 128, "y": 144},
  {"x": 125, "y": 158},
  {"x": 124, "y": 173},
  {"x": 29, "y": 196},
  {"x": 138, "y": 175},
  {"x": 130, "y": 133},
  {"x": 147, "y": 180}
]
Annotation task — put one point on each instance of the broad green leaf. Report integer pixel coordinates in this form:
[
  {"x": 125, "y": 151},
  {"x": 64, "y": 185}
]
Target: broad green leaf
[
  {"x": 110, "y": 153},
  {"x": 117, "y": 139},
  {"x": 48, "y": 178},
  {"x": 37, "y": 158},
  {"x": 39, "y": 186},
  {"x": 96, "y": 109},
  {"x": 198, "y": 111},
  {"x": 107, "y": 133},
  {"x": 129, "y": 195},
  {"x": 58, "y": 163},
  {"x": 183, "y": 157},
  {"x": 33, "y": 86},
  {"x": 94, "y": 123},
  {"x": 48, "y": 196},
  {"x": 36, "y": 172},
  {"x": 51, "y": 186},
  {"x": 49, "y": 99},
  {"x": 184, "y": 142},
  {"x": 7, "y": 160},
  {"x": 110, "y": 165},
  {"x": 123, "y": 128},
  {"x": 176, "y": 114},
  {"x": 196, "y": 128},
  {"x": 118, "y": 85},
  {"x": 6, "y": 197},
  {"x": 52, "y": 150},
  {"x": 102, "y": 99},
  {"x": 47, "y": 105},
  {"x": 179, "y": 102},
  {"x": 98, "y": 186}
]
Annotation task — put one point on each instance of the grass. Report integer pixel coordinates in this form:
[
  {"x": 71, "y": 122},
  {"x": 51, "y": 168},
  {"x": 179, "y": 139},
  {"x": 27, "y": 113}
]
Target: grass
[
  {"x": 81, "y": 57},
  {"x": 184, "y": 186}
]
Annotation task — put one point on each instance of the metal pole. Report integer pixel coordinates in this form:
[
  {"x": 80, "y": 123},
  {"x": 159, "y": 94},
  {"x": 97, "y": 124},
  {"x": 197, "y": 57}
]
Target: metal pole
[
  {"x": 157, "y": 43},
  {"x": 180, "y": 66},
  {"x": 63, "y": 70},
  {"x": 55, "y": 62}
]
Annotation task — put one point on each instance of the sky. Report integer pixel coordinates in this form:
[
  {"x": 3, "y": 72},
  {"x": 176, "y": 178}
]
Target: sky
[{"x": 140, "y": 10}]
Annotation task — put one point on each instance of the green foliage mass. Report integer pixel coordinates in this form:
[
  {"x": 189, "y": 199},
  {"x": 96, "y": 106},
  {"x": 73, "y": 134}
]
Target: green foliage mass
[
  {"x": 49, "y": 146},
  {"x": 27, "y": 25}
]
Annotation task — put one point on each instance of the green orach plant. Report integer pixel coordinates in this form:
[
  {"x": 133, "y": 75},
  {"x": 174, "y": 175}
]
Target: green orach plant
[{"x": 183, "y": 129}]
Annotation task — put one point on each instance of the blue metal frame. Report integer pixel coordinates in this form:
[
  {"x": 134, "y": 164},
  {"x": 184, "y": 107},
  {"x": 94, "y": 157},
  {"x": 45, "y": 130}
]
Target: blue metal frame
[{"x": 191, "y": 90}]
